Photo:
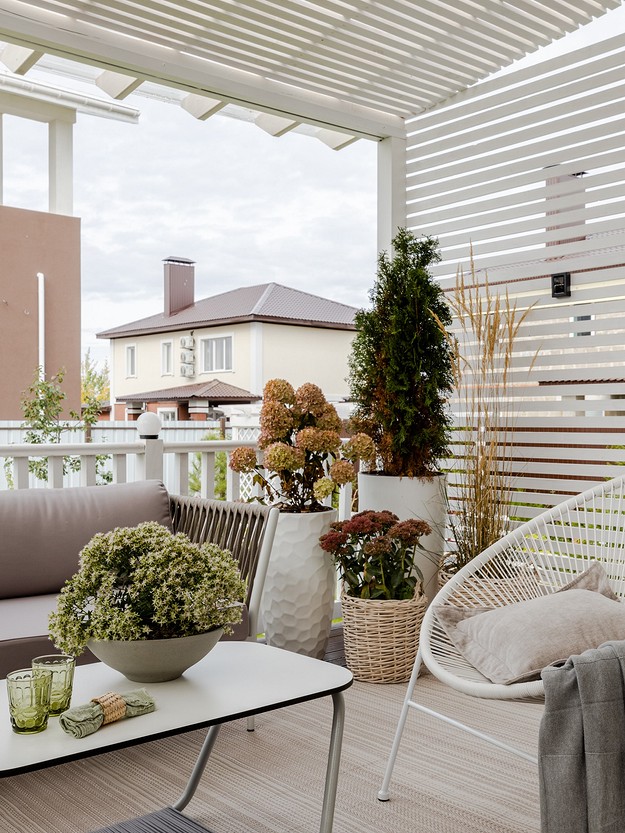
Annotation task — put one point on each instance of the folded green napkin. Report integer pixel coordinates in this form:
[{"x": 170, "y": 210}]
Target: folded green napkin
[{"x": 84, "y": 720}]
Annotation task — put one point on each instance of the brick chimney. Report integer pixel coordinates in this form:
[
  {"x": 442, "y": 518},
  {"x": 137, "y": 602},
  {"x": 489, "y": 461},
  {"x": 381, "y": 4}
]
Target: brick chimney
[{"x": 179, "y": 284}]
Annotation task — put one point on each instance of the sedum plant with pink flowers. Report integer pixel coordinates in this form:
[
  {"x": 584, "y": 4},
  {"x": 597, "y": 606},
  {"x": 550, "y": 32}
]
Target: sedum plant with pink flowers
[
  {"x": 374, "y": 553},
  {"x": 304, "y": 458}
]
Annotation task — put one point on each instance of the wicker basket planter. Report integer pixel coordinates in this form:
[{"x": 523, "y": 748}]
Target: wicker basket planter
[{"x": 382, "y": 637}]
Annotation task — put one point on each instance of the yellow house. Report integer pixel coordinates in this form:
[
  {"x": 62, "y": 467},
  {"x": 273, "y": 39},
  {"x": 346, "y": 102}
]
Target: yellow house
[{"x": 196, "y": 355}]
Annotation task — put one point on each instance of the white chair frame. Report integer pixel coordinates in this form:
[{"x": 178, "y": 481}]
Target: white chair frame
[{"x": 537, "y": 558}]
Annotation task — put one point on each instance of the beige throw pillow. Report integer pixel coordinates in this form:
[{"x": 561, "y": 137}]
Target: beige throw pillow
[{"x": 514, "y": 643}]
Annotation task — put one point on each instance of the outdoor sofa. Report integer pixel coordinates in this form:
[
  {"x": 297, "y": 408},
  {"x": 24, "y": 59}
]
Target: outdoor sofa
[{"x": 42, "y": 531}]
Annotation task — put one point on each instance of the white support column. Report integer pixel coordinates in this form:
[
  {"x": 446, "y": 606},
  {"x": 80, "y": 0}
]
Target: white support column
[
  {"x": 256, "y": 357},
  {"x": 60, "y": 167},
  {"x": 391, "y": 190}
]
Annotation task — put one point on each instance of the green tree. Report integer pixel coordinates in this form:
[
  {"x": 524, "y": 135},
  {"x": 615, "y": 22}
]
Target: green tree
[
  {"x": 220, "y": 469},
  {"x": 401, "y": 365},
  {"x": 94, "y": 382},
  {"x": 42, "y": 405},
  {"x": 94, "y": 391}
]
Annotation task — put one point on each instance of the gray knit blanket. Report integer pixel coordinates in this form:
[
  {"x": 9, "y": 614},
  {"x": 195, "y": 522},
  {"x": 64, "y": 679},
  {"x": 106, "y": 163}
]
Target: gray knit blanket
[{"x": 581, "y": 743}]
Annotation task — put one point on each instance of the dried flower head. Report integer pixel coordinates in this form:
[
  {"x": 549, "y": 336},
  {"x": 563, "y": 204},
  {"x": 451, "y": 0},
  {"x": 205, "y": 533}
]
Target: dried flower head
[
  {"x": 342, "y": 472},
  {"x": 243, "y": 460},
  {"x": 283, "y": 457},
  {"x": 310, "y": 399},
  {"x": 279, "y": 390},
  {"x": 314, "y": 439},
  {"x": 323, "y": 488},
  {"x": 276, "y": 420},
  {"x": 360, "y": 447},
  {"x": 329, "y": 420}
]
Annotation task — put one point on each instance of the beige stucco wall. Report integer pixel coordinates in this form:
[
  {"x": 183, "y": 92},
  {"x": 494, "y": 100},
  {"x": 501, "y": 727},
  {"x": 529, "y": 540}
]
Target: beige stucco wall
[
  {"x": 260, "y": 352},
  {"x": 308, "y": 354},
  {"x": 148, "y": 352},
  {"x": 32, "y": 242}
]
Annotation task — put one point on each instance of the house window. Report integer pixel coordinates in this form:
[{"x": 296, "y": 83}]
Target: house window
[
  {"x": 167, "y": 414},
  {"x": 167, "y": 358},
  {"x": 131, "y": 360},
  {"x": 216, "y": 354}
]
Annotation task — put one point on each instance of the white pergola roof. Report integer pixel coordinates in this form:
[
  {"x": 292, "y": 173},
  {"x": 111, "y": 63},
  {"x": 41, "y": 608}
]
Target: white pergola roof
[{"x": 360, "y": 66}]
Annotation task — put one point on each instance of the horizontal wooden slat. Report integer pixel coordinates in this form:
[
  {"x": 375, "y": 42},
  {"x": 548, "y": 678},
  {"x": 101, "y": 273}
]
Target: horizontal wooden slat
[{"x": 397, "y": 56}]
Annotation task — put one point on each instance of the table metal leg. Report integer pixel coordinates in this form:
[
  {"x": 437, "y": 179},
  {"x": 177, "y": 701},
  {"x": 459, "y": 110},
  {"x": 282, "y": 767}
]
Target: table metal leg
[
  {"x": 198, "y": 769},
  {"x": 334, "y": 757},
  {"x": 332, "y": 770}
]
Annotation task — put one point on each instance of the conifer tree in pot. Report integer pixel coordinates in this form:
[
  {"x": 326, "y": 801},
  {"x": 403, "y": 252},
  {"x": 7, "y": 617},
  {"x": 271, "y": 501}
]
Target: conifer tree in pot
[{"x": 401, "y": 376}]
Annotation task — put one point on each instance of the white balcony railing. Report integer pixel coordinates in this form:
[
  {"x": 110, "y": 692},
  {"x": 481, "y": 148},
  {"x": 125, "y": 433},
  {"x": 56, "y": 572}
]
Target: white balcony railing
[{"x": 181, "y": 465}]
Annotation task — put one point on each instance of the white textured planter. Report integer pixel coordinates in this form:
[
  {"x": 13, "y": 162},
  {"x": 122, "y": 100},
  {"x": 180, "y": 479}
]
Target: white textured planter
[
  {"x": 411, "y": 498},
  {"x": 298, "y": 597}
]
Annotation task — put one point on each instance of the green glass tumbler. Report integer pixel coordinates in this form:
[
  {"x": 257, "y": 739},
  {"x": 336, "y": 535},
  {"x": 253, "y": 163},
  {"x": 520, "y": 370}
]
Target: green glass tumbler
[
  {"x": 62, "y": 668},
  {"x": 29, "y": 699}
]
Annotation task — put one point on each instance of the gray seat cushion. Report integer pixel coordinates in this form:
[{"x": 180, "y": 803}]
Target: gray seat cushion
[
  {"x": 24, "y": 632},
  {"x": 43, "y": 530}
]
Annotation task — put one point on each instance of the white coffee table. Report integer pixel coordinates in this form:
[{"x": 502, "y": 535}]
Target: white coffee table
[{"x": 237, "y": 679}]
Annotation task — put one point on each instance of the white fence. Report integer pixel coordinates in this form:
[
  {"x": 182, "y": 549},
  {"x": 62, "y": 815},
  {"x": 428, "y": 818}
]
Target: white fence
[
  {"x": 527, "y": 170},
  {"x": 182, "y": 457}
]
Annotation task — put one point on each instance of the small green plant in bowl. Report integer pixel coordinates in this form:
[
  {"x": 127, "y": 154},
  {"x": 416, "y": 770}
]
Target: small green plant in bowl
[{"x": 146, "y": 583}]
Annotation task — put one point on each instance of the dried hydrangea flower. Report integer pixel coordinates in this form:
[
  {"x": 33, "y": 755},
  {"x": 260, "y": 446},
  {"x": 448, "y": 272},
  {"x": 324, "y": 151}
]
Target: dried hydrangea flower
[
  {"x": 314, "y": 439},
  {"x": 243, "y": 460},
  {"x": 283, "y": 457},
  {"x": 329, "y": 420},
  {"x": 279, "y": 390},
  {"x": 310, "y": 399},
  {"x": 323, "y": 488},
  {"x": 360, "y": 447},
  {"x": 342, "y": 472},
  {"x": 276, "y": 421}
]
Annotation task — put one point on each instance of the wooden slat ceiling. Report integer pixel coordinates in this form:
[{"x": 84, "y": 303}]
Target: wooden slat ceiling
[{"x": 393, "y": 58}]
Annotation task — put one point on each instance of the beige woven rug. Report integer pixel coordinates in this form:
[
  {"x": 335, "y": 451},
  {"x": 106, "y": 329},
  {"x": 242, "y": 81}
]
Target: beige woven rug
[{"x": 271, "y": 780}]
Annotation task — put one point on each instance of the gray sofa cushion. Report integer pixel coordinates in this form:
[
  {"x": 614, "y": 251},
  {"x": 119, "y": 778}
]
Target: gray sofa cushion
[
  {"x": 43, "y": 530},
  {"x": 24, "y": 632}
]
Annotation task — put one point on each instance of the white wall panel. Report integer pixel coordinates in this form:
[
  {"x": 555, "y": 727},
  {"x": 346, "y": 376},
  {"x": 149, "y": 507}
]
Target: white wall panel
[{"x": 494, "y": 173}]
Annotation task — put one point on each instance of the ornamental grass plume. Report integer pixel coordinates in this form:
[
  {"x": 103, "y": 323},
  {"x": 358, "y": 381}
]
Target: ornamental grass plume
[
  {"x": 303, "y": 456},
  {"x": 492, "y": 357},
  {"x": 375, "y": 554}
]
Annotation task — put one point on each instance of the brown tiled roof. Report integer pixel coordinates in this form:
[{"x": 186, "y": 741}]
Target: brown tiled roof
[
  {"x": 218, "y": 393},
  {"x": 270, "y": 302}
]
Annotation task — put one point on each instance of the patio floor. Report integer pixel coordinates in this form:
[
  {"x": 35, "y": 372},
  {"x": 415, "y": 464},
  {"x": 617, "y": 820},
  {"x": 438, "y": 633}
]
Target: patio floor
[
  {"x": 271, "y": 780},
  {"x": 335, "y": 651}
]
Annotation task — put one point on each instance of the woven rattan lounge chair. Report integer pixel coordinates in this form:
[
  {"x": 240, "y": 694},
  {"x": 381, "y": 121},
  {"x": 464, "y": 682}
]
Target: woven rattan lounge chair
[
  {"x": 536, "y": 559},
  {"x": 247, "y": 530}
]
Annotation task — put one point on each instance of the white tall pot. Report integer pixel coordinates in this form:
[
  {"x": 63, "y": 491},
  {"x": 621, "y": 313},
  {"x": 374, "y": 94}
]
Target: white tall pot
[
  {"x": 298, "y": 596},
  {"x": 411, "y": 498}
]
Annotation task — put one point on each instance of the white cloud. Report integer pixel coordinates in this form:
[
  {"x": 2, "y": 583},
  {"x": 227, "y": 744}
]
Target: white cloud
[{"x": 247, "y": 207}]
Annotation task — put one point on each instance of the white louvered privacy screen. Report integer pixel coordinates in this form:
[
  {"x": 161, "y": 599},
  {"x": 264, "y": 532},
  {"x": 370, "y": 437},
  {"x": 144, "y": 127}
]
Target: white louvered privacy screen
[{"x": 530, "y": 169}]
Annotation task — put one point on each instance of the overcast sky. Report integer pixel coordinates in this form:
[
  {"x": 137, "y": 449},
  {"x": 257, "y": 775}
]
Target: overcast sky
[{"x": 247, "y": 207}]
